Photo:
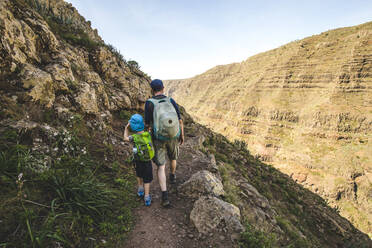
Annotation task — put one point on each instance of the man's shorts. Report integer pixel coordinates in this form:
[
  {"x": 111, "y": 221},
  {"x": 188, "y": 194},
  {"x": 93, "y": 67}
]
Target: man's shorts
[
  {"x": 163, "y": 147},
  {"x": 144, "y": 170}
]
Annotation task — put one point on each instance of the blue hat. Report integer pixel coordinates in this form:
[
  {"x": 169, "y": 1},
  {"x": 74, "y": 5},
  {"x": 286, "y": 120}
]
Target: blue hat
[
  {"x": 136, "y": 123},
  {"x": 157, "y": 85}
]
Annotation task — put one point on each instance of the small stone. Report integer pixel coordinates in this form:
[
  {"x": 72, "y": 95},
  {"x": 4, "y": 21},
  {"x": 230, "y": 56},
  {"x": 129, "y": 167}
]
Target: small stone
[
  {"x": 190, "y": 236},
  {"x": 222, "y": 238}
]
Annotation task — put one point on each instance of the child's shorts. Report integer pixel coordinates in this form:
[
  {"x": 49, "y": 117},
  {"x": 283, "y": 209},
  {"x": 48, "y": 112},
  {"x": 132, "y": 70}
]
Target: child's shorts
[{"x": 144, "y": 170}]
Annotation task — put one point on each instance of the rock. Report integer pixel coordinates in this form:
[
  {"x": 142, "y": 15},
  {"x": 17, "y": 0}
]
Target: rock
[
  {"x": 60, "y": 74},
  {"x": 87, "y": 99},
  {"x": 195, "y": 142},
  {"x": 202, "y": 183},
  {"x": 213, "y": 167},
  {"x": 257, "y": 209},
  {"x": 40, "y": 83},
  {"x": 209, "y": 212}
]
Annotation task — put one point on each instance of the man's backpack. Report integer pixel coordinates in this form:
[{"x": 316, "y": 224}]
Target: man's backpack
[
  {"x": 166, "y": 125},
  {"x": 145, "y": 149}
]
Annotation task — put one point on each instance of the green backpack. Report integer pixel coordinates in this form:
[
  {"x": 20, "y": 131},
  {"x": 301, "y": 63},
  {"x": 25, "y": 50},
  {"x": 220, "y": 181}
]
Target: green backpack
[{"x": 145, "y": 149}]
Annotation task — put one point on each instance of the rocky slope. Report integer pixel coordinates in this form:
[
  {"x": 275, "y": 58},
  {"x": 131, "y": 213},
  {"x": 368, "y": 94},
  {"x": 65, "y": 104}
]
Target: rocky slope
[
  {"x": 65, "y": 96},
  {"x": 304, "y": 107}
]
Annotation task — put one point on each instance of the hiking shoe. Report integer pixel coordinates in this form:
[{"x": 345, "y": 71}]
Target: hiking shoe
[
  {"x": 165, "y": 203},
  {"x": 172, "y": 178},
  {"x": 140, "y": 192},
  {"x": 164, "y": 199},
  {"x": 148, "y": 200}
]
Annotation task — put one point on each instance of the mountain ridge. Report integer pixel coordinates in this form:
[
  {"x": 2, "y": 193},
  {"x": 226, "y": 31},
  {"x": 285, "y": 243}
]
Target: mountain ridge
[{"x": 302, "y": 106}]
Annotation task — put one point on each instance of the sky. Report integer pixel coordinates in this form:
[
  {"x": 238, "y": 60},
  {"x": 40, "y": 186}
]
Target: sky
[{"x": 174, "y": 39}]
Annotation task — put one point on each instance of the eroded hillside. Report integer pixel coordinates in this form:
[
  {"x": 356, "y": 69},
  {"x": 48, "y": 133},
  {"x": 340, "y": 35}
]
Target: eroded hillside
[
  {"x": 65, "y": 182},
  {"x": 305, "y": 107}
]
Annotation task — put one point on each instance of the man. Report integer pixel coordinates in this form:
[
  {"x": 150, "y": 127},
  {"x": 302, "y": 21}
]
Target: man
[{"x": 163, "y": 146}]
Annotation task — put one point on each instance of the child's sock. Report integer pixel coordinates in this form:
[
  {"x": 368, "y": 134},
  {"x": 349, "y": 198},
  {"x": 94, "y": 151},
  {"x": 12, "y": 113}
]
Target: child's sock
[{"x": 140, "y": 191}]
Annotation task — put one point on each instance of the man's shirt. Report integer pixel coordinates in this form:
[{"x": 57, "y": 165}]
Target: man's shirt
[{"x": 149, "y": 109}]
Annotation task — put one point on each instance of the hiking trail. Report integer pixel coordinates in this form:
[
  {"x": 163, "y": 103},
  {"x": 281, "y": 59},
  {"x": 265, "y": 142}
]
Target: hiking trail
[{"x": 156, "y": 226}]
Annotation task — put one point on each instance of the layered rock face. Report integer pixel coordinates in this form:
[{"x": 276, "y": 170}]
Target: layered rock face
[
  {"x": 51, "y": 55},
  {"x": 305, "y": 107}
]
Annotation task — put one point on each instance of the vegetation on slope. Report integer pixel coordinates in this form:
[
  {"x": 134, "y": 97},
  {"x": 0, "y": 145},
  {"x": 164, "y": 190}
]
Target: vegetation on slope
[{"x": 63, "y": 185}]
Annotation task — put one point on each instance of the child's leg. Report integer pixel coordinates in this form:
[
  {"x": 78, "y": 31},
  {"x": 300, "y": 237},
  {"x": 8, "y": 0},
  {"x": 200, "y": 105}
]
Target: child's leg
[
  {"x": 140, "y": 182},
  {"x": 147, "y": 177},
  {"x": 147, "y": 189}
]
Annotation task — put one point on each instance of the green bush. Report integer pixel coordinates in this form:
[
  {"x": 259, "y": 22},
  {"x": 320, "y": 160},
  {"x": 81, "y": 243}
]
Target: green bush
[
  {"x": 252, "y": 238},
  {"x": 116, "y": 53},
  {"x": 133, "y": 64}
]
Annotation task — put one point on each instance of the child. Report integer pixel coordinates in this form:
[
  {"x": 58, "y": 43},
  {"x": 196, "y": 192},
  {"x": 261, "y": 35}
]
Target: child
[{"x": 143, "y": 153}]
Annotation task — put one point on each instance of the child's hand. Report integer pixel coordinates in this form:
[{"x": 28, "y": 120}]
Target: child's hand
[{"x": 127, "y": 125}]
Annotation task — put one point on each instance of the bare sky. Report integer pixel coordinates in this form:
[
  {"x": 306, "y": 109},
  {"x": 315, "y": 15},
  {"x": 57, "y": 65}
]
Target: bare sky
[{"x": 173, "y": 39}]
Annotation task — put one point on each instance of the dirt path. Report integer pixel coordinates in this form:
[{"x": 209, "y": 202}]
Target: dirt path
[
  {"x": 160, "y": 227},
  {"x": 171, "y": 228}
]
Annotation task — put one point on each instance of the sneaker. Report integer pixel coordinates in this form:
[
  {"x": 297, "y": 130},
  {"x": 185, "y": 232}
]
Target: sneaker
[
  {"x": 140, "y": 192},
  {"x": 172, "y": 178},
  {"x": 148, "y": 200}
]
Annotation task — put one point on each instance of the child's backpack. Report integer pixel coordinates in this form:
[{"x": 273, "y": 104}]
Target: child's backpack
[
  {"x": 166, "y": 125},
  {"x": 145, "y": 149}
]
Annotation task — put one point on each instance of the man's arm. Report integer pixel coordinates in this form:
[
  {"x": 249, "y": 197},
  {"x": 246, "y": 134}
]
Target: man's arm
[
  {"x": 182, "y": 137},
  {"x": 175, "y": 105},
  {"x": 149, "y": 109}
]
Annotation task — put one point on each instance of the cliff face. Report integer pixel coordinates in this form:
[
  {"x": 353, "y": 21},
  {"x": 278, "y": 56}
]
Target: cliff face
[
  {"x": 50, "y": 54},
  {"x": 304, "y": 107}
]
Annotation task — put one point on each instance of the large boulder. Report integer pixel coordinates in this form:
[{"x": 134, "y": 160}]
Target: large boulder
[
  {"x": 210, "y": 213},
  {"x": 202, "y": 183}
]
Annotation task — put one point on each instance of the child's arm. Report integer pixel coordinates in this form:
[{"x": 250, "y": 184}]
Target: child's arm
[{"x": 126, "y": 133}]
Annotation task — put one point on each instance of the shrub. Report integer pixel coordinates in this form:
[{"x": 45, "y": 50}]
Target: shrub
[
  {"x": 116, "y": 53},
  {"x": 252, "y": 238},
  {"x": 133, "y": 64},
  {"x": 73, "y": 198}
]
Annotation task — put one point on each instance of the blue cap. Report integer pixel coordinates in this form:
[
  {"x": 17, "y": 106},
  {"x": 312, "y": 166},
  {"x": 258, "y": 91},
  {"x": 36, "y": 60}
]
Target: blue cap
[
  {"x": 136, "y": 123},
  {"x": 157, "y": 85}
]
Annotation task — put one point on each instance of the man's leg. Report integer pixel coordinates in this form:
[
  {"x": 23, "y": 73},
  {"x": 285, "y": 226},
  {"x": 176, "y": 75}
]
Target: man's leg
[
  {"x": 172, "y": 149},
  {"x": 159, "y": 160},
  {"x": 173, "y": 166},
  {"x": 172, "y": 174},
  {"x": 161, "y": 177}
]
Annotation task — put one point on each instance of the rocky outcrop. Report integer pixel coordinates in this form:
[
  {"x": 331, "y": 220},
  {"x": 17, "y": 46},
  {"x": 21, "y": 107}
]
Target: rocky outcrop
[
  {"x": 40, "y": 61},
  {"x": 202, "y": 183},
  {"x": 209, "y": 212},
  {"x": 304, "y": 107}
]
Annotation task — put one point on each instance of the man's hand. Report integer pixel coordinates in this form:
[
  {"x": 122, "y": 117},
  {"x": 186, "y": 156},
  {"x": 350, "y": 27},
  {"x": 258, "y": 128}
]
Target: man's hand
[{"x": 182, "y": 139}]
